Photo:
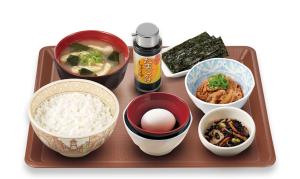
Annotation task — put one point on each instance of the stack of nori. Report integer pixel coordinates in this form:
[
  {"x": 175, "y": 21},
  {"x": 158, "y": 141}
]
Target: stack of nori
[{"x": 192, "y": 51}]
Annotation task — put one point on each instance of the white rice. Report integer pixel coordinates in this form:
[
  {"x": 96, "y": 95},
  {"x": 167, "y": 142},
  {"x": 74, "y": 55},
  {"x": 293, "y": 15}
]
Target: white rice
[{"x": 73, "y": 114}]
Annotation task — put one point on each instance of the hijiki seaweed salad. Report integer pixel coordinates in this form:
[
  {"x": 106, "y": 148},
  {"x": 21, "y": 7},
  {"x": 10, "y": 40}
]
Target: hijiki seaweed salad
[
  {"x": 227, "y": 133},
  {"x": 185, "y": 55}
]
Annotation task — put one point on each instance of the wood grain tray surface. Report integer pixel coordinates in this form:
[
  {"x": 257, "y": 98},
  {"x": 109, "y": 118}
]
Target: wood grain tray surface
[{"x": 120, "y": 151}]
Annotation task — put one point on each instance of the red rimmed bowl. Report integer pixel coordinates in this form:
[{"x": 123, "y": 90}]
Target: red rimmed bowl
[
  {"x": 143, "y": 103},
  {"x": 111, "y": 80}
]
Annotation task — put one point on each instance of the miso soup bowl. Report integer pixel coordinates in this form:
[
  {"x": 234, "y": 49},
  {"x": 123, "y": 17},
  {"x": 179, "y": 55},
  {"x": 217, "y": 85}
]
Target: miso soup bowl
[
  {"x": 111, "y": 80},
  {"x": 221, "y": 113},
  {"x": 239, "y": 72},
  {"x": 74, "y": 146}
]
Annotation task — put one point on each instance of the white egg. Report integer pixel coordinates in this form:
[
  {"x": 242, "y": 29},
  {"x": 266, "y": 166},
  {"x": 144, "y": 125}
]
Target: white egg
[{"x": 158, "y": 120}]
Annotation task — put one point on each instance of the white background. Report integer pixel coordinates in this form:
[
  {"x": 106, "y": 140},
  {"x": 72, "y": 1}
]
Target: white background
[{"x": 271, "y": 27}]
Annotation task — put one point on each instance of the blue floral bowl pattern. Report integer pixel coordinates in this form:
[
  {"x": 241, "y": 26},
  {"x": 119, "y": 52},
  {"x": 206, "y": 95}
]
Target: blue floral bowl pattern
[{"x": 232, "y": 68}]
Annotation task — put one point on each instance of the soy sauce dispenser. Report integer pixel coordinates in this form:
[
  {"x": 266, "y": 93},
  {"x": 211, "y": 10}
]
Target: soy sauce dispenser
[{"x": 147, "y": 45}]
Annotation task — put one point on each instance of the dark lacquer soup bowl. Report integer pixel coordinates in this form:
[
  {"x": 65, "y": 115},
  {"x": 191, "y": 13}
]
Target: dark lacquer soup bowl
[{"x": 110, "y": 80}]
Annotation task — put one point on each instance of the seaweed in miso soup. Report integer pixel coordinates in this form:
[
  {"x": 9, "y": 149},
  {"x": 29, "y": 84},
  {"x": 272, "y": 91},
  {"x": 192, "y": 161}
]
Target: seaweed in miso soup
[{"x": 91, "y": 58}]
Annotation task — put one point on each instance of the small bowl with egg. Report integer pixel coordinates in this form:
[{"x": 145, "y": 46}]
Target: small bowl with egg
[
  {"x": 226, "y": 131},
  {"x": 74, "y": 116},
  {"x": 157, "y": 122},
  {"x": 158, "y": 114},
  {"x": 93, "y": 55},
  {"x": 219, "y": 82}
]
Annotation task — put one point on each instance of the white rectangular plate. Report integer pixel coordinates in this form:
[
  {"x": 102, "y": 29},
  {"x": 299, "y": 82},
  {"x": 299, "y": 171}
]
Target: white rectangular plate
[{"x": 167, "y": 72}]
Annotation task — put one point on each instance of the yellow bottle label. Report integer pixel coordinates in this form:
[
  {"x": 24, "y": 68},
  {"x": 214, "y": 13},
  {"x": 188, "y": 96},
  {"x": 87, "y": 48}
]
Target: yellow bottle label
[{"x": 147, "y": 70}]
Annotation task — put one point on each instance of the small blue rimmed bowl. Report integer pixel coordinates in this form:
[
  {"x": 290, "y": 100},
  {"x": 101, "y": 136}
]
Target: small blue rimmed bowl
[{"x": 229, "y": 67}]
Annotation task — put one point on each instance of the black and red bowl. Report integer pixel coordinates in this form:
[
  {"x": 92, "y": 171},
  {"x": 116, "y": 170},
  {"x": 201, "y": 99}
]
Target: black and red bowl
[
  {"x": 111, "y": 80},
  {"x": 155, "y": 137},
  {"x": 143, "y": 103}
]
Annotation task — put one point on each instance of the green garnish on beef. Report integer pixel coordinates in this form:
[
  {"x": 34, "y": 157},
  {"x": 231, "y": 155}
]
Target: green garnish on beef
[
  {"x": 73, "y": 60},
  {"x": 194, "y": 50},
  {"x": 114, "y": 57},
  {"x": 77, "y": 47},
  {"x": 218, "y": 81}
]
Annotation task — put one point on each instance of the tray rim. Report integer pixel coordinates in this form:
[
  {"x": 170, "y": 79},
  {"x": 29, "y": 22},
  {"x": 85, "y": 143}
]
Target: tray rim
[{"x": 265, "y": 163}]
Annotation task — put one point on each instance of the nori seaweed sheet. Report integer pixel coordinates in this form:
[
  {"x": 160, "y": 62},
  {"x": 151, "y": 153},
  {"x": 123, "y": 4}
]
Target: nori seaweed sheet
[{"x": 194, "y": 50}]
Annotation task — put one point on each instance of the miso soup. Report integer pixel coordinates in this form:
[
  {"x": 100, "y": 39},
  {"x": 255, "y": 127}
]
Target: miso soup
[{"x": 91, "y": 58}]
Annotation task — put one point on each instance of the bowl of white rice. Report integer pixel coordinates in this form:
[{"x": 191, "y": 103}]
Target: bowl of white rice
[{"x": 73, "y": 117}]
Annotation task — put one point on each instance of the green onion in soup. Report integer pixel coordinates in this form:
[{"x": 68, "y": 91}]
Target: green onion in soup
[{"x": 90, "y": 58}]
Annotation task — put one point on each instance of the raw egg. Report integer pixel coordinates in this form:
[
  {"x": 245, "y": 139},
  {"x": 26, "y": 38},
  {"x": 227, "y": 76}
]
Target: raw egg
[{"x": 158, "y": 120}]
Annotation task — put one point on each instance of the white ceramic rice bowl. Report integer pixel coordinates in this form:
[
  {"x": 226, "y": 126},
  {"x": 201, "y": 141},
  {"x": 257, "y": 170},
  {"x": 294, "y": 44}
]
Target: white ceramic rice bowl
[{"x": 80, "y": 145}]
